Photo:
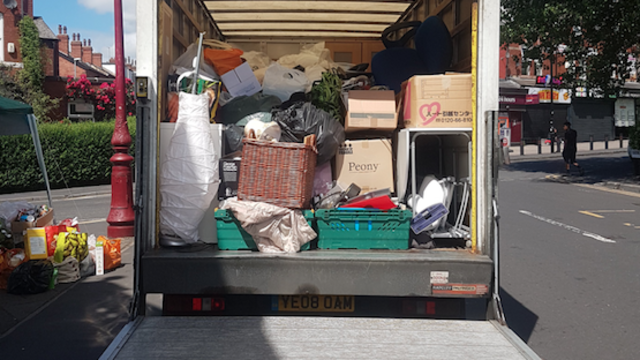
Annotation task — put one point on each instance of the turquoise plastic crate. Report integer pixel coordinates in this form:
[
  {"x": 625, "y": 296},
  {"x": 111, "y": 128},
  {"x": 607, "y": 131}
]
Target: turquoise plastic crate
[
  {"x": 363, "y": 229},
  {"x": 231, "y": 235}
]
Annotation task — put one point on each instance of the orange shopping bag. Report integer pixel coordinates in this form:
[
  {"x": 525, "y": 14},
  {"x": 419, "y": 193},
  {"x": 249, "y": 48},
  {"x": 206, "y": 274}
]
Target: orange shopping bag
[{"x": 112, "y": 252}]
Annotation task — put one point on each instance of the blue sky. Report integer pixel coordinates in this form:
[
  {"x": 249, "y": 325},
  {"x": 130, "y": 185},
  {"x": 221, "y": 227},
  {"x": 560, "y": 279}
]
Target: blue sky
[{"x": 93, "y": 19}]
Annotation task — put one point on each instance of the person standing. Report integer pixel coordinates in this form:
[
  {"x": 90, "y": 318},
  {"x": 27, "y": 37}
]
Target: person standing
[{"x": 570, "y": 148}]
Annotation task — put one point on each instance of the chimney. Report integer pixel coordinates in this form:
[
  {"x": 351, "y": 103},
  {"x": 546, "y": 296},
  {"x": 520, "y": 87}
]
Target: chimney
[
  {"x": 63, "y": 45},
  {"x": 96, "y": 60},
  {"x": 76, "y": 47},
  {"x": 87, "y": 52}
]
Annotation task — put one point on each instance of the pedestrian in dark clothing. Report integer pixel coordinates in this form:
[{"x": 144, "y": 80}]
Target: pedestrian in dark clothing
[{"x": 570, "y": 148}]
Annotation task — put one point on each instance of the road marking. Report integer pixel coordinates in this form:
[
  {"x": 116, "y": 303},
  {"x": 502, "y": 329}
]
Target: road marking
[
  {"x": 632, "y": 225},
  {"x": 591, "y": 214},
  {"x": 614, "y": 191},
  {"x": 569, "y": 227},
  {"x": 94, "y": 221},
  {"x": 85, "y": 197}
]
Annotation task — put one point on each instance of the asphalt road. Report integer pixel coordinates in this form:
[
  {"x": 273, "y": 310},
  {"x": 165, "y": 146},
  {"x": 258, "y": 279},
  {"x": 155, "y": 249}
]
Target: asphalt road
[{"x": 569, "y": 259}]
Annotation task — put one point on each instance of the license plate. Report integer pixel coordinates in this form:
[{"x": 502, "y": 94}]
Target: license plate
[{"x": 315, "y": 303}]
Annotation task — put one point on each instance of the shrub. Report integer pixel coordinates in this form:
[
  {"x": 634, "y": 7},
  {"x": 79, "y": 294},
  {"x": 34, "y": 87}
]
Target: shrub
[
  {"x": 75, "y": 155},
  {"x": 104, "y": 99}
]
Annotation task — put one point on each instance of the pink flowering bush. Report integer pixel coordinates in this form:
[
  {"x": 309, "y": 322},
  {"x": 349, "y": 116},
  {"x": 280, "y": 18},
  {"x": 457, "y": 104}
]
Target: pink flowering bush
[{"x": 104, "y": 99}]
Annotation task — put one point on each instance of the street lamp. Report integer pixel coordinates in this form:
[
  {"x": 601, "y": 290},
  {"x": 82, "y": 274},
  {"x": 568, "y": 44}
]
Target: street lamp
[
  {"x": 121, "y": 216},
  {"x": 75, "y": 67}
]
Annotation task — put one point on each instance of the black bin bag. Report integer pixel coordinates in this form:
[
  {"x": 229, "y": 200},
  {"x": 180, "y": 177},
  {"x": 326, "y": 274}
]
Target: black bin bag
[
  {"x": 302, "y": 119},
  {"x": 32, "y": 277}
]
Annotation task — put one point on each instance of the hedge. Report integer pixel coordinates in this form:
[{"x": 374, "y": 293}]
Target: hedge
[{"x": 75, "y": 155}]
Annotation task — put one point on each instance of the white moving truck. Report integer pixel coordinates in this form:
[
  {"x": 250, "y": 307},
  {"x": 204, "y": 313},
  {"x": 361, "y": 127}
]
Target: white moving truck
[{"x": 330, "y": 304}]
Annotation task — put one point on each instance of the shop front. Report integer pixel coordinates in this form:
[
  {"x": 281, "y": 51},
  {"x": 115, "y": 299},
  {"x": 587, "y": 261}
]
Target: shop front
[{"x": 513, "y": 107}]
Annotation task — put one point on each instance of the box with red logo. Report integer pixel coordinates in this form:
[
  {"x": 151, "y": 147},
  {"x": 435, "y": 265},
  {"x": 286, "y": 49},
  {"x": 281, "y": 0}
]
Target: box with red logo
[{"x": 438, "y": 101}]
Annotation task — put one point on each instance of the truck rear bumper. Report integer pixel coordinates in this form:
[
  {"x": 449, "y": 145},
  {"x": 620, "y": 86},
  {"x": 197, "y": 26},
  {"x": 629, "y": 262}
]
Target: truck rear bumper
[{"x": 336, "y": 272}]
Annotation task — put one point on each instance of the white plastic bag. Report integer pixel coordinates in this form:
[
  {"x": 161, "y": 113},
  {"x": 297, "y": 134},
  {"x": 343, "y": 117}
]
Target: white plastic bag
[
  {"x": 282, "y": 82},
  {"x": 186, "y": 62},
  {"x": 189, "y": 176},
  {"x": 257, "y": 60},
  {"x": 9, "y": 211},
  {"x": 310, "y": 55}
]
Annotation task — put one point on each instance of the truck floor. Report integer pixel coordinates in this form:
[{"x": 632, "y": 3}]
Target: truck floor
[{"x": 317, "y": 338}]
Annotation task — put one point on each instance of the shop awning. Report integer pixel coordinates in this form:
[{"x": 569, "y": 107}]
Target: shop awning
[{"x": 307, "y": 19}]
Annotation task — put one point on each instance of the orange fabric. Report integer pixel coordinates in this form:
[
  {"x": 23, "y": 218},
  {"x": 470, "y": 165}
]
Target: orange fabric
[
  {"x": 223, "y": 61},
  {"x": 172, "y": 109},
  {"x": 112, "y": 253}
]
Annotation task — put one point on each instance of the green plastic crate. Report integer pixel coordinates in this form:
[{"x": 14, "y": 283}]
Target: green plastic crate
[
  {"x": 363, "y": 229},
  {"x": 231, "y": 235}
]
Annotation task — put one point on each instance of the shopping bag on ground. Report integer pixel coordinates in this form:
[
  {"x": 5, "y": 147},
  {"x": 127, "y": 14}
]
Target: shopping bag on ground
[
  {"x": 112, "y": 253},
  {"x": 31, "y": 277},
  {"x": 68, "y": 270}
]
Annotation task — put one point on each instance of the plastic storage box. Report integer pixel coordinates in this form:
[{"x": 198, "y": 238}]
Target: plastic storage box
[
  {"x": 363, "y": 229},
  {"x": 231, "y": 235}
]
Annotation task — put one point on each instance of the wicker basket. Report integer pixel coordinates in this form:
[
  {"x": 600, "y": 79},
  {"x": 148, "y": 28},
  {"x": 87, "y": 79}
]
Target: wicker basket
[{"x": 277, "y": 173}]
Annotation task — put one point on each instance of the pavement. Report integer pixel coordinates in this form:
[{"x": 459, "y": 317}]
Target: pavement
[
  {"x": 73, "y": 321},
  {"x": 569, "y": 257}
]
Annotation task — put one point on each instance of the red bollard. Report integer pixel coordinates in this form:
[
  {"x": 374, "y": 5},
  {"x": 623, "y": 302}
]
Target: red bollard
[{"x": 121, "y": 217}]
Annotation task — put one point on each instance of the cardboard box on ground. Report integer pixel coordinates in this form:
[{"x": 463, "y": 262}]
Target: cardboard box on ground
[
  {"x": 438, "y": 101},
  {"x": 366, "y": 163},
  {"x": 19, "y": 227}
]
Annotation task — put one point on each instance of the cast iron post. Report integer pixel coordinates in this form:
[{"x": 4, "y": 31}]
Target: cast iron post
[{"x": 121, "y": 216}]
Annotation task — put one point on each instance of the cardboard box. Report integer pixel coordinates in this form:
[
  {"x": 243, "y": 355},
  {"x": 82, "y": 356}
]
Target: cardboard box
[
  {"x": 366, "y": 163},
  {"x": 18, "y": 227},
  {"x": 229, "y": 172},
  {"x": 371, "y": 110},
  {"x": 438, "y": 101},
  {"x": 241, "y": 81}
]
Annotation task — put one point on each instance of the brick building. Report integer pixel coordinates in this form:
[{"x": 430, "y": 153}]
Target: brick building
[
  {"x": 525, "y": 99},
  {"x": 9, "y": 34}
]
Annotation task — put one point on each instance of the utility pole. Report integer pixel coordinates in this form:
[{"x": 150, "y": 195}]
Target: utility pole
[{"x": 121, "y": 216}]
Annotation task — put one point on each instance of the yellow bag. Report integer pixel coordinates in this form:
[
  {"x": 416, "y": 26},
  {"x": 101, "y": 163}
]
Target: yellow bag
[{"x": 36, "y": 244}]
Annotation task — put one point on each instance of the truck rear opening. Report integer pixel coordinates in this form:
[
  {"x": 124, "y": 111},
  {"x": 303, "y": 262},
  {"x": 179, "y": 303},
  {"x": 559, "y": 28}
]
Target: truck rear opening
[{"x": 330, "y": 303}]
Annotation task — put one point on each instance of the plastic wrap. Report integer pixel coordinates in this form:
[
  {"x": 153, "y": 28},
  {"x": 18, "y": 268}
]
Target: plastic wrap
[
  {"x": 274, "y": 229},
  {"x": 304, "y": 119},
  {"x": 283, "y": 82},
  {"x": 189, "y": 174},
  {"x": 186, "y": 62},
  {"x": 9, "y": 211}
]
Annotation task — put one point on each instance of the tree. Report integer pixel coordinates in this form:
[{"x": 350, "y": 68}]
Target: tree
[
  {"x": 597, "y": 38},
  {"x": 30, "y": 79}
]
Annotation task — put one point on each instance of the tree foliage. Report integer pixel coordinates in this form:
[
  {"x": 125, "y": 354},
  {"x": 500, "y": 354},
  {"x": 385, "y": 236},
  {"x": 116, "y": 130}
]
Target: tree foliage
[
  {"x": 598, "y": 38},
  {"x": 32, "y": 74}
]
